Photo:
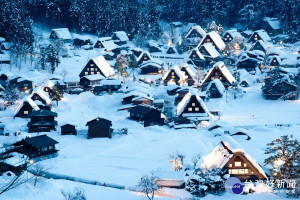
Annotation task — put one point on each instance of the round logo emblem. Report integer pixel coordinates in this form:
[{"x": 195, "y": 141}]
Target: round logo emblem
[{"x": 233, "y": 185}]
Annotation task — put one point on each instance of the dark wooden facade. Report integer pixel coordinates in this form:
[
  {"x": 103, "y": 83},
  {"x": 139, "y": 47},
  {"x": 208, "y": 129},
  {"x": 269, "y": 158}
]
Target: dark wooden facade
[
  {"x": 214, "y": 92},
  {"x": 258, "y": 46},
  {"x": 146, "y": 114},
  {"x": 23, "y": 85},
  {"x": 90, "y": 68},
  {"x": 143, "y": 58},
  {"x": 248, "y": 64},
  {"x": 81, "y": 42},
  {"x": 216, "y": 73},
  {"x": 37, "y": 146},
  {"x": 68, "y": 129},
  {"x": 193, "y": 106},
  {"x": 172, "y": 76},
  {"x": 171, "y": 50},
  {"x": 42, "y": 121},
  {"x": 99, "y": 128},
  {"x": 25, "y": 111},
  {"x": 208, "y": 39},
  {"x": 242, "y": 168},
  {"x": 190, "y": 80},
  {"x": 281, "y": 89}
]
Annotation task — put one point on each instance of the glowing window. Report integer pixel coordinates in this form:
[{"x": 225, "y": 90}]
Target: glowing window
[
  {"x": 193, "y": 104},
  {"x": 230, "y": 165},
  {"x": 25, "y": 112},
  {"x": 246, "y": 171},
  {"x": 197, "y": 109},
  {"x": 92, "y": 69},
  {"x": 245, "y": 165},
  {"x": 238, "y": 164},
  {"x": 86, "y": 73},
  {"x": 190, "y": 109},
  {"x": 92, "y": 73}
]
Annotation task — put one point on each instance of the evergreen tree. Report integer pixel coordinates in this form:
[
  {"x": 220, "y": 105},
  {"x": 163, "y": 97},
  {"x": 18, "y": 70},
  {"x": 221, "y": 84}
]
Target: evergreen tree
[
  {"x": 57, "y": 92},
  {"x": 52, "y": 57}
]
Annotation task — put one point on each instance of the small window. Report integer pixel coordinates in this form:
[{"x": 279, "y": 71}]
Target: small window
[
  {"x": 245, "y": 165},
  {"x": 246, "y": 171},
  {"x": 225, "y": 39},
  {"x": 275, "y": 61},
  {"x": 25, "y": 112},
  {"x": 86, "y": 73},
  {"x": 92, "y": 73},
  {"x": 241, "y": 171},
  {"x": 190, "y": 109},
  {"x": 172, "y": 73},
  {"x": 227, "y": 36},
  {"x": 197, "y": 109},
  {"x": 92, "y": 69},
  {"x": 193, "y": 104},
  {"x": 98, "y": 72},
  {"x": 208, "y": 40},
  {"x": 91, "y": 64},
  {"x": 238, "y": 164},
  {"x": 230, "y": 165}
]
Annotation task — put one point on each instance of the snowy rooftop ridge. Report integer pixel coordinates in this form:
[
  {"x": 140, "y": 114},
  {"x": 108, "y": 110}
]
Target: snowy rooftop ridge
[
  {"x": 122, "y": 35},
  {"x": 211, "y": 50},
  {"x": 220, "y": 65},
  {"x": 104, "y": 67},
  {"x": 218, "y": 84},
  {"x": 177, "y": 70},
  {"x": 198, "y": 29},
  {"x": 30, "y": 102},
  {"x": 42, "y": 94},
  {"x": 62, "y": 33}
]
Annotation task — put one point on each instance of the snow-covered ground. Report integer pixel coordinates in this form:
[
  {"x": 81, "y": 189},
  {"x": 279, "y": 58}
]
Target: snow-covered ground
[{"x": 124, "y": 159}]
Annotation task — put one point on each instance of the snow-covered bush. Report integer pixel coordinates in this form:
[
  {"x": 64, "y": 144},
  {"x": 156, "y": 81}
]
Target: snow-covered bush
[{"x": 207, "y": 181}]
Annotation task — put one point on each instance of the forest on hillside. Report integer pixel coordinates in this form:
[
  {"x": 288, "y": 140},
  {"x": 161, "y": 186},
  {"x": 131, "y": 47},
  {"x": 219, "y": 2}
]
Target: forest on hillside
[{"x": 141, "y": 17}]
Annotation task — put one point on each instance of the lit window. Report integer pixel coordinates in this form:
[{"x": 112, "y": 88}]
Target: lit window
[
  {"x": 86, "y": 73},
  {"x": 92, "y": 69},
  {"x": 190, "y": 109},
  {"x": 230, "y": 165},
  {"x": 274, "y": 60},
  {"x": 92, "y": 73},
  {"x": 25, "y": 112},
  {"x": 241, "y": 171},
  {"x": 173, "y": 77},
  {"x": 98, "y": 72},
  {"x": 238, "y": 164},
  {"x": 227, "y": 36},
  {"x": 91, "y": 64},
  {"x": 207, "y": 40},
  {"x": 246, "y": 171},
  {"x": 197, "y": 109},
  {"x": 145, "y": 58},
  {"x": 193, "y": 104},
  {"x": 234, "y": 171},
  {"x": 173, "y": 73},
  {"x": 245, "y": 165}
]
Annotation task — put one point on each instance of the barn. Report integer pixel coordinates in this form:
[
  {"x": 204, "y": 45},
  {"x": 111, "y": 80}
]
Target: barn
[
  {"x": 68, "y": 129},
  {"x": 99, "y": 128}
]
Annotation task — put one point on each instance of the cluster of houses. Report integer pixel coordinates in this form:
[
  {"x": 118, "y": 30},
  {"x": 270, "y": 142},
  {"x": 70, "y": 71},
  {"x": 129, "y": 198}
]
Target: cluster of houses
[{"x": 201, "y": 71}]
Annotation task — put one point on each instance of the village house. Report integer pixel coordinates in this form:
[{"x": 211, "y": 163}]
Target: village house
[
  {"x": 250, "y": 61},
  {"x": 98, "y": 66},
  {"x": 68, "y": 129},
  {"x": 174, "y": 76},
  {"x": 229, "y": 156},
  {"x": 171, "y": 50},
  {"x": 39, "y": 95},
  {"x": 149, "y": 115},
  {"x": 190, "y": 73},
  {"x": 81, "y": 40},
  {"x": 144, "y": 56},
  {"x": 230, "y": 35},
  {"x": 36, "y": 148},
  {"x": 99, "y": 128},
  {"x": 26, "y": 107},
  {"x": 90, "y": 81},
  {"x": 197, "y": 59},
  {"x": 143, "y": 99},
  {"x": 209, "y": 52},
  {"x": 42, "y": 121},
  {"x": 247, "y": 34},
  {"x": 153, "y": 46},
  {"x": 120, "y": 37},
  {"x": 215, "y": 89},
  {"x": 107, "y": 43},
  {"x": 22, "y": 84},
  {"x": 259, "y": 45},
  {"x": 218, "y": 71},
  {"x": 273, "y": 61},
  {"x": 259, "y": 35},
  {"x": 272, "y": 26},
  {"x": 215, "y": 39},
  {"x": 193, "y": 107},
  {"x": 71, "y": 81},
  {"x": 193, "y": 37},
  {"x": 282, "y": 89},
  {"x": 152, "y": 67},
  {"x": 62, "y": 34}
]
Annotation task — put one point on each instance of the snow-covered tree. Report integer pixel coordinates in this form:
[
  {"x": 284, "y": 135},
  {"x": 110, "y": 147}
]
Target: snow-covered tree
[
  {"x": 249, "y": 16},
  {"x": 78, "y": 193},
  {"x": 10, "y": 95},
  {"x": 148, "y": 186}
]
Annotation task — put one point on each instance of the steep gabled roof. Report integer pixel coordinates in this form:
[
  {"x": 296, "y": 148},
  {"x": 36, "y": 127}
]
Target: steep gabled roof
[
  {"x": 198, "y": 53},
  {"x": 216, "y": 39},
  {"x": 142, "y": 109},
  {"x": 211, "y": 50},
  {"x": 196, "y": 28},
  {"x": 219, "y": 85},
  {"x": 263, "y": 35},
  {"x": 122, "y": 35},
  {"x": 104, "y": 66},
  {"x": 103, "y": 121},
  {"x": 142, "y": 54},
  {"x": 62, "y": 33},
  {"x": 177, "y": 70},
  {"x": 42, "y": 94},
  {"x": 30, "y": 102},
  {"x": 220, "y": 65},
  {"x": 234, "y": 33},
  {"x": 183, "y": 103}
]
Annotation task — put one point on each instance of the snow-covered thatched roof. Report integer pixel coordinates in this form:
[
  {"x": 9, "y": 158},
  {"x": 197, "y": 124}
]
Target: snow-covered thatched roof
[
  {"x": 198, "y": 29},
  {"x": 108, "y": 43},
  {"x": 221, "y": 66},
  {"x": 234, "y": 33},
  {"x": 189, "y": 70},
  {"x": 104, "y": 67},
  {"x": 223, "y": 153},
  {"x": 39, "y": 91},
  {"x": 196, "y": 50},
  {"x": 216, "y": 39},
  {"x": 183, "y": 103},
  {"x": 122, "y": 36},
  {"x": 211, "y": 50},
  {"x": 219, "y": 85},
  {"x": 142, "y": 54},
  {"x": 30, "y": 102},
  {"x": 263, "y": 35},
  {"x": 62, "y": 33},
  {"x": 273, "y": 22},
  {"x": 177, "y": 71}
]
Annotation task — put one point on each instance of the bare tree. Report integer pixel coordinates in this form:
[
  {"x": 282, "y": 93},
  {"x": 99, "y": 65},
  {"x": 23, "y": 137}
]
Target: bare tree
[
  {"x": 148, "y": 186},
  {"x": 78, "y": 193},
  {"x": 177, "y": 160},
  {"x": 195, "y": 159}
]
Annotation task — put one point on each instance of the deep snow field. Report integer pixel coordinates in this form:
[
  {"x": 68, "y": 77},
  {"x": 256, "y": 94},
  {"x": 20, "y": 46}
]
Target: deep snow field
[{"x": 124, "y": 159}]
